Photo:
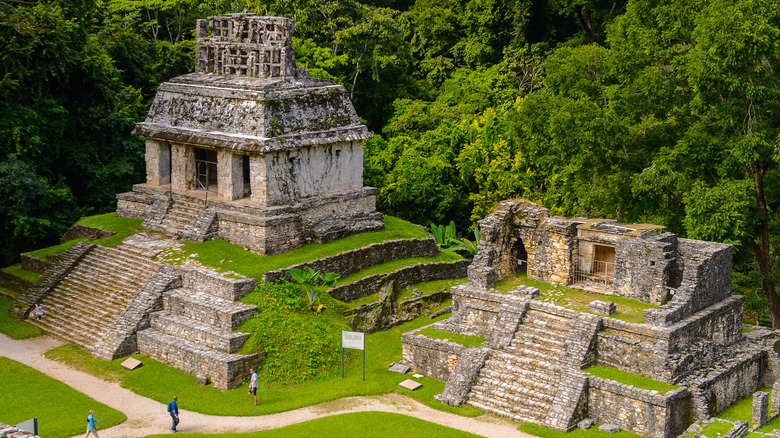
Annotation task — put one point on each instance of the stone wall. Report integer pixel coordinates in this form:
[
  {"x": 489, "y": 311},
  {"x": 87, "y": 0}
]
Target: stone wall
[
  {"x": 640, "y": 411},
  {"x": 20, "y": 309},
  {"x": 120, "y": 339},
  {"x": 133, "y": 205},
  {"x": 224, "y": 373},
  {"x": 356, "y": 260},
  {"x": 731, "y": 381},
  {"x": 79, "y": 231},
  {"x": 435, "y": 358},
  {"x": 405, "y": 276},
  {"x": 643, "y": 267},
  {"x": 212, "y": 283},
  {"x": 34, "y": 264},
  {"x": 389, "y": 312},
  {"x": 702, "y": 277}
]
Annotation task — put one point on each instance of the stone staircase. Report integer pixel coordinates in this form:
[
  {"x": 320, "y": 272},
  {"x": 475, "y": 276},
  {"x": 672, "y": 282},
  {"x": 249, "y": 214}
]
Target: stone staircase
[
  {"x": 520, "y": 381},
  {"x": 194, "y": 333},
  {"x": 186, "y": 217},
  {"x": 86, "y": 302}
]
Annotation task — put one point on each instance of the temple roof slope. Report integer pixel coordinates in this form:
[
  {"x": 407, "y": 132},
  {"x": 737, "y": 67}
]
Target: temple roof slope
[{"x": 248, "y": 95}]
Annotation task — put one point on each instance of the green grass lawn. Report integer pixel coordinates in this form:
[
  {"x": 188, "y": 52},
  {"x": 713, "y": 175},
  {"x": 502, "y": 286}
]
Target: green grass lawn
[
  {"x": 17, "y": 270},
  {"x": 385, "y": 268},
  {"x": 743, "y": 410},
  {"x": 713, "y": 430},
  {"x": 466, "y": 341},
  {"x": 627, "y": 310},
  {"x": 225, "y": 256},
  {"x": 155, "y": 380},
  {"x": 593, "y": 432},
  {"x": 61, "y": 410},
  {"x": 122, "y": 226},
  {"x": 10, "y": 292},
  {"x": 358, "y": 424},
  {"x": 630, "y": 379},
  {"x": 14, "y": 328}
]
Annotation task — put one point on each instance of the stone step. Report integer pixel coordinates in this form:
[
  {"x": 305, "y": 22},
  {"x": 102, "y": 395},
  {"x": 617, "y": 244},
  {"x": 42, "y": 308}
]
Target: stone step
[
  {"x": 194, "y": 331},
  {"x": 133, "y": 266},
  {"x": 517, "y": 413},
  {"x": 223, "y": 314},
  {"x": 510, "y": 398},
  {"x": 547, "y": 321},
  {"x": 521, "y": 382},
  {"x": 226, "y": 371},
  {"x": 66, "y": 298},
  {"x": 534, "y": 351},
  {"x": 117, "y": 254},
  {"x": 88, "y": 281},
  {"x": 543, "y": 333},
  {"x": 539, "y": 362}
]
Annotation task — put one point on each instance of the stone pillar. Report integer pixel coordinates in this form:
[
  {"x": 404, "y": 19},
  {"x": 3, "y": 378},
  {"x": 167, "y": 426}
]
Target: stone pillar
[
  {"x": 760, "y": 409},
  {"x": 158, "y": 163},
  {"x": 258, "y": 180},
  {"x": 776, "y": 397},
  {"x": 230, "y": 175},
  {"x": 183, "y": 172}
]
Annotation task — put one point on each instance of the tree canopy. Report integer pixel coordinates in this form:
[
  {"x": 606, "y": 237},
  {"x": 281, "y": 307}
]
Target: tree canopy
[{"x": 664, "y": 111}]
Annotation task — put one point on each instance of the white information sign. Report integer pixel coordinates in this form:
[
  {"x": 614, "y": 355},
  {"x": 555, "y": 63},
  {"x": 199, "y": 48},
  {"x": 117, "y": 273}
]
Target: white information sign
[{"x": 353, "y": 340}]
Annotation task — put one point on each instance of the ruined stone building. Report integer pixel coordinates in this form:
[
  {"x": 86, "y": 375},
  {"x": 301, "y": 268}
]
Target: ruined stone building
[
  {"x": 250, "y": 149},
  {"x": 530, "y": 368}
]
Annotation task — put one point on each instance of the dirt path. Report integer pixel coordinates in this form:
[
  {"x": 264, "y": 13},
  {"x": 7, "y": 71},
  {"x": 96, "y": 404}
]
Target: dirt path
[{"x": 148, "y": 417}]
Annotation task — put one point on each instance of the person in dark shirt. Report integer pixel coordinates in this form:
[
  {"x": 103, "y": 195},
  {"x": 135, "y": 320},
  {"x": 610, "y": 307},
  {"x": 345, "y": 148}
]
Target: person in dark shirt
[{"x": 173, "y": 409}]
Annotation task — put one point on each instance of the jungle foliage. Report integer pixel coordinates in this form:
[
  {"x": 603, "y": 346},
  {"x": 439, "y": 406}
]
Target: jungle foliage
[{"x": 664, "y": 111}]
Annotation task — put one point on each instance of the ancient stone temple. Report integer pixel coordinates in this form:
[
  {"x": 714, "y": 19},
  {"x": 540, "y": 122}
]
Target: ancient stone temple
[
  {"x": 530, "y": 367},
  {"x": 250, "y": 149}
]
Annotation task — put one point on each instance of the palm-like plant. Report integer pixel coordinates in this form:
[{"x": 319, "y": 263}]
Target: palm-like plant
[
  {"x": 310, "y": 279},
  {"x": 465, "y": 246}
]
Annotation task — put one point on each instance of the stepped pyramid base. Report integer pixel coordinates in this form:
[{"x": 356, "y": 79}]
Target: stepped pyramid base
[
  {"x": 261, "y": 229},
  {"x": 226, "y": 371}
]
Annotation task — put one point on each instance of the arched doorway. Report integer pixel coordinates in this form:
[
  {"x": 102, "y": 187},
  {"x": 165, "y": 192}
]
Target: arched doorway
[{"x": 519, "y": 257}]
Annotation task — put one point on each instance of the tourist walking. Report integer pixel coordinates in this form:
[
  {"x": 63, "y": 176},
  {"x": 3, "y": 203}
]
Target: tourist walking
[
  {"x": 91, "y": 429},
  {"x": 253, "y": 385},
  {"x": 173, "y": 409}
]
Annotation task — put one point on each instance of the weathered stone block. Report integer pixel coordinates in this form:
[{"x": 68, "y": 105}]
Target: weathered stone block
[{"x": 605, "y": 308}]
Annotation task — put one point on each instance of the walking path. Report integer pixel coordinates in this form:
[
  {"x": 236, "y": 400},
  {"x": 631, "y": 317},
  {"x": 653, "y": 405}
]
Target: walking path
[{"x": 148, "y": 417}]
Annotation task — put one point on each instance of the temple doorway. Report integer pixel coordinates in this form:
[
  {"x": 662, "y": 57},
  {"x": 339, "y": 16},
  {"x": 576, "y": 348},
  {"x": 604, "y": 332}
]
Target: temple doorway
[{"x": 206, "y": 167}]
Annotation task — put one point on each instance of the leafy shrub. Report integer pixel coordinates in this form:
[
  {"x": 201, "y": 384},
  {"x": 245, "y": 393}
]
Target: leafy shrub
[{"x": 298, "y": 344}]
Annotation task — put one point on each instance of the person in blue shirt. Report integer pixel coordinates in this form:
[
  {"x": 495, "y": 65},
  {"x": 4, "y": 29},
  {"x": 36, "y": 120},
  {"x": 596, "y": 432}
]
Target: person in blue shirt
[
  {"x": 173, "y": 409},
  {"x": 91, "y": 429},
  {"x": 253, "y": 385}
]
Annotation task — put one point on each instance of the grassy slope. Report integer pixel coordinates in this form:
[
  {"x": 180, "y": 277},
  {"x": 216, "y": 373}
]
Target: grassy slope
[
  {"x": 14, "y": 328},
  {"x": 359, "y": 424},
  {"x": 17, "y": 270},
  {"x": 155, "y": 380},
  {"x": 225, "y": 256},
  {"x": 630, "y": 379},
  {"x": 593, "y": 432},
  {"x": 628, "y": 310},
  {"x": 122, "y": 226},
  {"x": 60, "y": 409},
  {"x": 466, "y": 341}
]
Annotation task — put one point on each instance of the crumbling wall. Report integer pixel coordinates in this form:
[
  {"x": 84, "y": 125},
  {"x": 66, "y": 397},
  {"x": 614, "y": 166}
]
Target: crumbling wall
[
  {"x": 356, "y": 260},
  {"x": 435, "y": 358},
  {"x": 640, "y": 411},
  {"x": 643, "y": 267}
]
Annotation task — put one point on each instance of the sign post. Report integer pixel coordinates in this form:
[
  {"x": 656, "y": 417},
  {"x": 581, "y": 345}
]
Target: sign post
[{"x": 355, "y": 341}]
